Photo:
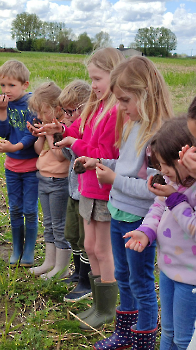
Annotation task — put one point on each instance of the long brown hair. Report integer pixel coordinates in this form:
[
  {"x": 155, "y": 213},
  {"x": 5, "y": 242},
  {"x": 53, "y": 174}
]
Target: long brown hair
[
  {"x": 139, "y": 75},
  {"x": 168, "y": 141}
]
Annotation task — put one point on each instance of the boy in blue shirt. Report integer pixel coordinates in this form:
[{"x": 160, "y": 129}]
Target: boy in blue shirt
[{"x": 20, "y": 162}]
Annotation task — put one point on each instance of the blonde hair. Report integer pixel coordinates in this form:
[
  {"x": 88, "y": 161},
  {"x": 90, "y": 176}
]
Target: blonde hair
[
  {"x": 16, "y": 70},
  {"x": 46, "y": 94},
  {"x": 105, "y": 59},
  {"x": 138, "y": 75},
  {"x": 75, "y": 94}
]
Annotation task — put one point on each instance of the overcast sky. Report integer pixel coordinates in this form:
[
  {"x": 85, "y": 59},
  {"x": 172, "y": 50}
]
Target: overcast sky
[{"x": 119, "y": 18}]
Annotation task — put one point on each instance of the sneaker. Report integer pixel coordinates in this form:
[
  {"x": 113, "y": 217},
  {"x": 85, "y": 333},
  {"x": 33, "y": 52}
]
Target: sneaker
[{"x": 78, "y": 293}]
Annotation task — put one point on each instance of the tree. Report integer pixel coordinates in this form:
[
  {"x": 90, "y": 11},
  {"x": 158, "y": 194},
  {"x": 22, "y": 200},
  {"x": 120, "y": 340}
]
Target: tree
[
  {"x": 156, "y": 41},
  {"x": 25, "y": 26},
  {"x": 102, "y": 39},
  {"x": 84, "y": 44}
]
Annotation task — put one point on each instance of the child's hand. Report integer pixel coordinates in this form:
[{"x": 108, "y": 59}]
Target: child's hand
[
  {"x": 49, "y": 129},
  {"x": 104, "y": 174},
  {"x": 160, "y": 190},
  {"x": 66, "y": 142},
  {"x": 6, "y": 146},
  {"x": 89, "y": 163},
  {"x": 138, "y": 240},
  {"x": 188, "y": 159},
  {"x": 3, "y": 101}
]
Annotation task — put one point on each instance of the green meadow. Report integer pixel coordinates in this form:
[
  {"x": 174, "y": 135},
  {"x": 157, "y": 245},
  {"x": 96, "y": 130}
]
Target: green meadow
[{"x": 32, "y": 312}]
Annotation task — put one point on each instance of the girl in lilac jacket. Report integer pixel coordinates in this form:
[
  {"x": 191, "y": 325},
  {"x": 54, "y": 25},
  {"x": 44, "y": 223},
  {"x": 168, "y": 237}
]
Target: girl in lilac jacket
[{"x": 171, "y": 220}]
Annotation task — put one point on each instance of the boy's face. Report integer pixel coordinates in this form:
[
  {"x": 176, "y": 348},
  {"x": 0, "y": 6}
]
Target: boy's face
[
  {"x": 13, "y": 88},
  {"x": 191, "y": 123}
]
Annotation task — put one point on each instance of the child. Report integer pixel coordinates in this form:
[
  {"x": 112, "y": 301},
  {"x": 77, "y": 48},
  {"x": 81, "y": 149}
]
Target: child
[
  {"x": 73, "y": 99},
  {"x": 53, "y": 184},
  {"x": 143, "y": 105},
  {"x": 93, "y": 135},
  {"x": 172, "y": 221},
  {"x": 188, "y": 159},
  {"x": 188, "y": 155},
  {"x": 20, "y": 162}
]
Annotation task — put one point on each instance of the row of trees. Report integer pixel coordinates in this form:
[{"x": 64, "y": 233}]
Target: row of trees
[
  {"x": 32, "y": 34},
  {"x": 156, "y": 41}
]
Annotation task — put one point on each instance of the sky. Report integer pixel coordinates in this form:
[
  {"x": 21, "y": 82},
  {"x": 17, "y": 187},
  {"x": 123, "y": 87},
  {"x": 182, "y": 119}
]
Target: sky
[{"x": 121, "y": 19}]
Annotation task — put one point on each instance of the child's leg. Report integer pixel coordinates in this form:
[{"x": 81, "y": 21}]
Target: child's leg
[
  {"x": 178, "y": 310},
  {"x": 30, "y": 209},
  {"x": 127, "y": 300},
  {"x": 99, "y": 249},
  {"x": 15, "y": 197},
  {"x": 139, "y": 273}
]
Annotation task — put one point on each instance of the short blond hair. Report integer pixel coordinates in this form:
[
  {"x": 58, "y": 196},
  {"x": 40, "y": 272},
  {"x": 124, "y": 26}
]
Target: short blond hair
[
  {"x": 16, "y": 70},
  {"x": 45, "y": 94},
  {"x": 75, "y": 94}
]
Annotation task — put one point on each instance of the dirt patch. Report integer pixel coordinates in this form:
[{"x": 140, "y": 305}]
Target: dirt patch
[{"x": 5, "y": 245}]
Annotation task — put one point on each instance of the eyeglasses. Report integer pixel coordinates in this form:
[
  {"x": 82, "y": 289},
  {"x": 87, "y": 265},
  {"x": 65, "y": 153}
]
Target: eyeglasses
[{"x": 70, "y": 112}]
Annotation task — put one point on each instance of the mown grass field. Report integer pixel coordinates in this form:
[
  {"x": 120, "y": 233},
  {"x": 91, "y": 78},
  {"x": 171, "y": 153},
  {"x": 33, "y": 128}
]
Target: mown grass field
[{"x": 32, "y": 312}]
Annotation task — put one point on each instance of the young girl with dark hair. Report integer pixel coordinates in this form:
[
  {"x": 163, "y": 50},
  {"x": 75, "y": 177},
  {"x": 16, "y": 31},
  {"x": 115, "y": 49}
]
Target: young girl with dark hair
[{"x": 171, "y": 220}]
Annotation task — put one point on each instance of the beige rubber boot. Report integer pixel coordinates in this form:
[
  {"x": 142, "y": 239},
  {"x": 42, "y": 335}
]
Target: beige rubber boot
[
  {"x": 49, "y": 262},
  {"x": 63, "y": 257}
]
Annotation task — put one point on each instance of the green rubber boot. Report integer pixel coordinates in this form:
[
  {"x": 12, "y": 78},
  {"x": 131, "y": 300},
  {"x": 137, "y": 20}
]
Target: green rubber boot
[
  {"x": 88, "y": 312},
  {"x": 105, "y": 308}
]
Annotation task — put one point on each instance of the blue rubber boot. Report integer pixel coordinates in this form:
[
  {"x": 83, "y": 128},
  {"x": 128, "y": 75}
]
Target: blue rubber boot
[
  {"x": 122, "y": 336},
  {"x": 143, "y": 339},
  {"x": 18, "y": 241},
  {"x": 29, "y": 246}
]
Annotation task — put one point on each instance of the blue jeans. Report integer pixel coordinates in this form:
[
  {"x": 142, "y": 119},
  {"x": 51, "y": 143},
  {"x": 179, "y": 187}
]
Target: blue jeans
[
  {"x": 22, "y": 191},
  {"x": 134, "y": 273},
  {"x": 178, "y": 313},
  {"x": 53, "y": 195}
]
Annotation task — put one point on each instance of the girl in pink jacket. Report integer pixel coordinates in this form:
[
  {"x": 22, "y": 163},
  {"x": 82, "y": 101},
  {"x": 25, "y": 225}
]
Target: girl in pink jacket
[{"x": 93, "y": 135}]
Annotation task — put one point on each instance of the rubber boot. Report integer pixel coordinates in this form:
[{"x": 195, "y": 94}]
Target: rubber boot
[
  {"x": 122, "y": 336},
  {"x": 74, "y": 277},
  {"x": 88, "y": 312},
  {"x": 106, "y": 295},
  {"x": 29, "y": 246},
  {"x": 18, "y": 241},
  {"x": 49, "y": 262},
  {"x": 143, "y": 339},
  {"x": 63, "y": 257},
  {"x": 83, "y": 288}
]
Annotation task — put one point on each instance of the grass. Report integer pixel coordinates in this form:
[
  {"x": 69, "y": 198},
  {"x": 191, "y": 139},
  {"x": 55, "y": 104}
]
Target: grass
[{"x": 32, "y": 312}]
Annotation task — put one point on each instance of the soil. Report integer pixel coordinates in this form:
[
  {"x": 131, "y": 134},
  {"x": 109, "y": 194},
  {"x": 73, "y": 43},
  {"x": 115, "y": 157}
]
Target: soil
[{"x": 5, "y": 245}]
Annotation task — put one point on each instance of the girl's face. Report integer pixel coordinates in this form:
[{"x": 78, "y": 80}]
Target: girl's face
[
  {"x": 191, "y": 123},
  {"x": 100, "y": 80},
  {"x": 128, "y": 104},
  {"x": 169, "y": 171},
  {"x": 71, "y": 114},
  {"x": 46, "y": 114}
]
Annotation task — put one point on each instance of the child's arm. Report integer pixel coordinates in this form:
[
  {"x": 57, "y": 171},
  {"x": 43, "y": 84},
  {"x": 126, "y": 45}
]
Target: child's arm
[
  {"x": 6, "y": 146},
  {"x": 38, "y": 145}
]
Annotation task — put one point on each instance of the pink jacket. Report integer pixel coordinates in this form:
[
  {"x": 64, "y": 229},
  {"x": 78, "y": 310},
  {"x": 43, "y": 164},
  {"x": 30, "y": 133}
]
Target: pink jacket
[{"x": 94, "y": 143}]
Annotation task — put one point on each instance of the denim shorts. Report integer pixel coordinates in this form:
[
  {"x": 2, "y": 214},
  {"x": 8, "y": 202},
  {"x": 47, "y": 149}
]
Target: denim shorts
[{"x": 95, "y": 209}]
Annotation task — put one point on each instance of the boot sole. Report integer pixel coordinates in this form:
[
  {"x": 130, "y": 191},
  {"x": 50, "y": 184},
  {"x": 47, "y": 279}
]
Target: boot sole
[{"x": 78, "y": 298}]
